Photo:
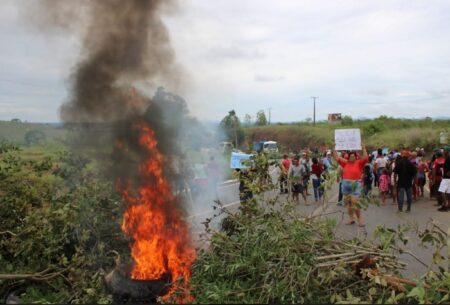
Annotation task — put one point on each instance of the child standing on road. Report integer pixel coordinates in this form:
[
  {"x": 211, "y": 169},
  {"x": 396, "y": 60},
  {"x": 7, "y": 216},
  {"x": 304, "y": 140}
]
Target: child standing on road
[
  {"x": 316, "y": 174},
  {"x": 384, "y": 185},
  {"x": 421, "y": 176}
]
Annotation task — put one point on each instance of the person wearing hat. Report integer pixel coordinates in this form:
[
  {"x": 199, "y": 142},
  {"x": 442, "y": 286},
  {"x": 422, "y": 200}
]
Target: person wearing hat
[
  {"x": 405, "y": 172},
  {"x": 327, "y": 161},
  {"x": 352, "y": 171},
  {"x": 444, "y": 187}
]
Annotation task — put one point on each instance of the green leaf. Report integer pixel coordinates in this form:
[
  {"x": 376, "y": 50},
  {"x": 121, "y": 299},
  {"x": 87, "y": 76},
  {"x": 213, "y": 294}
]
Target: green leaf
[{"x": 418, "y": 293}]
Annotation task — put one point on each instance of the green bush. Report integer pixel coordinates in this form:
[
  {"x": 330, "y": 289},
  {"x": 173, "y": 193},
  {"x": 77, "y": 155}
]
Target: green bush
[{"x": 61, "y": 236}]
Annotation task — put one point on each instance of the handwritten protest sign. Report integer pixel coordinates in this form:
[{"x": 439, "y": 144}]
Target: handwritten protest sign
[
  {"x": 237, "y": 158},
  {"x": 347, "y": 139}
]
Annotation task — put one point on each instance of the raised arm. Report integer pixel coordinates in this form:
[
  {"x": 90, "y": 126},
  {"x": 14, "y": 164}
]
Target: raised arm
[
  {"x": 335, "y": 155},
  {"x": 364, "y": 151}
]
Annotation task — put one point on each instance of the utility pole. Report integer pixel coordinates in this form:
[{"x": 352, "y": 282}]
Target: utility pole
[
  {"x": 269, "y": 114},
  {"x": 314, "y": 114}
]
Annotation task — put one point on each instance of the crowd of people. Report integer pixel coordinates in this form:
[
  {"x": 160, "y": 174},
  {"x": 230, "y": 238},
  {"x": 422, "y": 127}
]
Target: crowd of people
[{"x": 397, "y": 174}]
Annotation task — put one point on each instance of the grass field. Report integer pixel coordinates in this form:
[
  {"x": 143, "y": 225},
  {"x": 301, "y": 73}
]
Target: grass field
[
  {"x": 383, "y": 131},
  {"x": 15, "y": 132}
]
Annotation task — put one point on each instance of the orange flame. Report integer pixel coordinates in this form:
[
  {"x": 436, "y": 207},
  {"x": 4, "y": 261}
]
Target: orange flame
[{"x": 161, "y": 238}]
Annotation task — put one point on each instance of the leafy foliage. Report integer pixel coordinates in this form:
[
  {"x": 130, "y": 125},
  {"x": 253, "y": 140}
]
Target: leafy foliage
[
  {"x": 231, "y": 126},
  {"x": 56, "y": 238},
  {"x": 261, "y": 119}
]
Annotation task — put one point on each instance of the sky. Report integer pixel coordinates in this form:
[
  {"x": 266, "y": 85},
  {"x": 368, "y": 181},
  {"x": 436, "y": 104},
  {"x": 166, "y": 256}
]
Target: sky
[{"x": 361, "y": 58}]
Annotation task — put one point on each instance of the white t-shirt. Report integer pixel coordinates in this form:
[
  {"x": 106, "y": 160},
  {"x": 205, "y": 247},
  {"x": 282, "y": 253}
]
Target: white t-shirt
[
  {"x": 296, "y": 172},
  {"x": 381, "y": 162}
]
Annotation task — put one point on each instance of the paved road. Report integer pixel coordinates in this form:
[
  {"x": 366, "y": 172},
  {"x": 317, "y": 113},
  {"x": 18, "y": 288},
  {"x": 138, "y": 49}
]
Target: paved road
[{"x": 422, "y": 212}]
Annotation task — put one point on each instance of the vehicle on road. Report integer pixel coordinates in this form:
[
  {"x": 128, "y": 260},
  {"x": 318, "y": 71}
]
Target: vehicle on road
[{"x": 266, "y": 146}]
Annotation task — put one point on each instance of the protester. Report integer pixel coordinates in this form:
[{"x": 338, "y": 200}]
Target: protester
[
  {"x": 351, "y": 183},
  {"x": 296, "y": 177},
  {"x": 421, "y": 176},
  {"x": 380, "y": 164},
  {"x": 327, "y": 162},
  {"x": 384, "y": 182},
  {"x": 284, "y": 167},
  {"x": 436, "y": 178},
  {"x": 444, "y": 187},
  {"x": 404, "y": 176},
  {"x": 368, "y": 177},
  {"x": 306, "y": 162},
  {"x": 415, "y": 162},
  {"x": 394, "y": 189},
  {"x": 316, "y": 174}
]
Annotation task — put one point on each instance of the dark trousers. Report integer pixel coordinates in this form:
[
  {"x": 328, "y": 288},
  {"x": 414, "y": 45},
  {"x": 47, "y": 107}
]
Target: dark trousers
[
  {"x": 283, "y": 185},
  {"x": 367, "y": 189},
  {"x": 318, "y": 190},
  {"x": 401, "y": 196}
]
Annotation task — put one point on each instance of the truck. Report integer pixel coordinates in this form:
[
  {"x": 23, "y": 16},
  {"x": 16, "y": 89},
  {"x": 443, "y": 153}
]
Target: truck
[{"x": 266, "y": 146}]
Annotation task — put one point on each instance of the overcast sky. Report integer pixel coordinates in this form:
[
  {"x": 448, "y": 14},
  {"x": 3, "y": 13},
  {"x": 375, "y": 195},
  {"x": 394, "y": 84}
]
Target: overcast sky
[{"x": 362, "y": 58}]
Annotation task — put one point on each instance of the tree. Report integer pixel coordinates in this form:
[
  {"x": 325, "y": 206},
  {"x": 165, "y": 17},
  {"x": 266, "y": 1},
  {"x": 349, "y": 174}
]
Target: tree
[
  {"x": 261, "y": 119},
  {"x": 16, "y": 120},
  {"x": 347, "y": 120},
  {"x": 308, "y": 120},
  {"x": 232, "y": 127},
  {"x": 248, "y": 119}
]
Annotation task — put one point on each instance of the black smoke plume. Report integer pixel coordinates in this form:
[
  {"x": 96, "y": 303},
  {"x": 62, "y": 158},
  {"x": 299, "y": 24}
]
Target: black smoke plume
[{"x": 124, "y": 44}]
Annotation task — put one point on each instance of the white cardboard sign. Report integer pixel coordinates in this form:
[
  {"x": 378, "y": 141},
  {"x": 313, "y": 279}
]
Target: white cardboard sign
[{"x": 347, "y": 139}]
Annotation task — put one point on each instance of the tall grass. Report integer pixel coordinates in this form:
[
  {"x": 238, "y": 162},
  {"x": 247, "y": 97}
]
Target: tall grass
[{"x": 383, "y": 131}]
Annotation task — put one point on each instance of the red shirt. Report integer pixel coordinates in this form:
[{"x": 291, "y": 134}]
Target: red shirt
[
  {"x": 438, "y": 165},
  {"x": 317, "y": 169},
  {"x": 286, "y": 164},
  {"x": 352, "y": 171}
]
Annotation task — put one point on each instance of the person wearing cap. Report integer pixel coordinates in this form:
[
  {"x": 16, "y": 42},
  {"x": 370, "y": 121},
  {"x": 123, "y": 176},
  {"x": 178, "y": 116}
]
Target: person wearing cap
[
  {"x": 444, "y": 187},
  {"x": 405, "y": 172},
  {"x": 327, "y": 161},
  {"x": 436, "y": 179},
  {"x": 352, "y": 171}
]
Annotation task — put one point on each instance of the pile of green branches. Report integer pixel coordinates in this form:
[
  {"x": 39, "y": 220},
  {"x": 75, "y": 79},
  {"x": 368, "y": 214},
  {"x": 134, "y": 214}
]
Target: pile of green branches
[{"x": 280, "y": 257}]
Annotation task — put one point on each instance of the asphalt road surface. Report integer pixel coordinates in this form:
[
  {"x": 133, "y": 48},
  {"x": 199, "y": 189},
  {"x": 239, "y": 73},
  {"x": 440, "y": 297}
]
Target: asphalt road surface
[{"x": 422, "y": 212}]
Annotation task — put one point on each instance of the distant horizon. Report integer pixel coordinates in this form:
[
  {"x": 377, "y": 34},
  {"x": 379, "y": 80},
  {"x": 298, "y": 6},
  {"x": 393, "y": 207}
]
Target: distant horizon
[{"x": 360, "y": 118}]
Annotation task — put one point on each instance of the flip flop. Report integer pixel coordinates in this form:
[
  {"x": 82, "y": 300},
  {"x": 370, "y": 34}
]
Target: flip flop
[
  {"x": 350, "y": 223},
  {"x": 362, "y": 225}
]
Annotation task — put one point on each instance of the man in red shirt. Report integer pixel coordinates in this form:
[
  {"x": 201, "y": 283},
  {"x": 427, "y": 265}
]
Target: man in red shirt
[{"x": 352, "y": 170}]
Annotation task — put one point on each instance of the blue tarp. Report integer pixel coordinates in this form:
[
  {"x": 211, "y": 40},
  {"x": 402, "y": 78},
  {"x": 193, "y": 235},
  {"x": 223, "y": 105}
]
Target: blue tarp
[{"x": 237, "y": 158}]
